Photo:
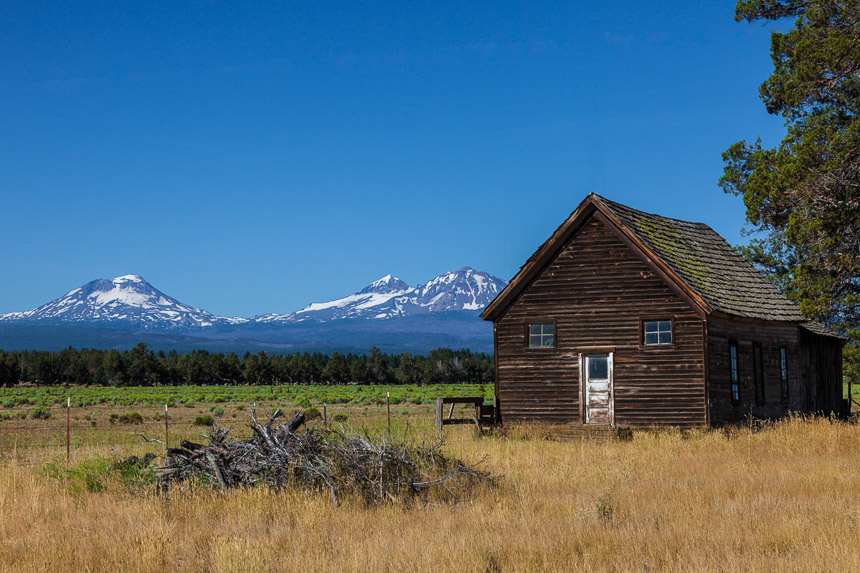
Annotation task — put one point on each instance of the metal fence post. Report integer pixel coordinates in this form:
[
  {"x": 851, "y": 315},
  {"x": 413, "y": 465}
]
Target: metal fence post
[{"x": 68, "y": 428}]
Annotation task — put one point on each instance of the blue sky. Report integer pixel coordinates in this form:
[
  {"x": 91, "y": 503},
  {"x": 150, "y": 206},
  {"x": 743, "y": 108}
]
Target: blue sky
[{"x": 247, "y": 158}]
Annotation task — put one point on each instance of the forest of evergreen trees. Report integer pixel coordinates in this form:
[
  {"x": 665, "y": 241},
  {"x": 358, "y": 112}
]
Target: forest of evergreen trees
[{"x": 143, "y": 367}]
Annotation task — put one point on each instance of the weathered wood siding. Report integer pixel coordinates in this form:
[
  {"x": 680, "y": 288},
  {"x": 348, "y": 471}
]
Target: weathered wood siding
[
  {"x": 821, "y": 373},
  {"x": 597, "y": 289},
  {"x": 747, "y": 333}
]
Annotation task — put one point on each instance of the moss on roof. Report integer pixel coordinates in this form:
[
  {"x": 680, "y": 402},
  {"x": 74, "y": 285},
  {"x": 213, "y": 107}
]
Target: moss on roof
[{"x": 707, "y": 264}]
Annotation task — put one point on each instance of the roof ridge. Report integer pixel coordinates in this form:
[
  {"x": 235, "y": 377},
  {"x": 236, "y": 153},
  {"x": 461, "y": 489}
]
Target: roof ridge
[
  {"x": 605, "y": 200},
  {"x": 704, "y": 265}
]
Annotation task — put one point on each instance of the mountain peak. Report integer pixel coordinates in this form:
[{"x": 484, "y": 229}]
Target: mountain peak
[
  {"x": 389, "y": 297},
  {"x": 129, "y": 279},
  {"x": 129, "y": 301},
  {"x": 385, "y": 285},
  {"x": 124, "y": 301}
]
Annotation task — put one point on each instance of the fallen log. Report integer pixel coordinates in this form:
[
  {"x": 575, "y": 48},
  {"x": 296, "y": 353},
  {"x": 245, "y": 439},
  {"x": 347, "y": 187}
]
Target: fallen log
[
  {"x": 216, "y": 470},
  {"x": 191, "y": 445}
]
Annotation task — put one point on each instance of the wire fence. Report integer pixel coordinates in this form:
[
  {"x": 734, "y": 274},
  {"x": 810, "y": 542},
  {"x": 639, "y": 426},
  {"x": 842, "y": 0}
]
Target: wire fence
[{"x": 20, "y": 439}]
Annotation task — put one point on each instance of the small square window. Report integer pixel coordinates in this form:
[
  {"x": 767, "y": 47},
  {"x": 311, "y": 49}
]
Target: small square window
[
  {"x": 541, "y": 335},
  {"x": 658, "y": 332}
]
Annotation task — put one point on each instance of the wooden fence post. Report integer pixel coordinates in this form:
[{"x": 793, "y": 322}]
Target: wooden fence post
[{"x": 68, "y": 428}]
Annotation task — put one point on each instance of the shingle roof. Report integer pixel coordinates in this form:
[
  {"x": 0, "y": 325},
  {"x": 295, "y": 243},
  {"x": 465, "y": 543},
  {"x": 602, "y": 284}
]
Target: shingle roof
[
  {"x": 703, "y": 262},
  {"x": 707, "y": 264},
  {"x": 818, "y": 328}
]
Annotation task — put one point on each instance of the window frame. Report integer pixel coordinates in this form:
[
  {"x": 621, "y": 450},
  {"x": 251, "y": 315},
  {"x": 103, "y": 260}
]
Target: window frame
[
  {"x": 758, "y": 373},
  {"x": 783, "y": 373},
  {"x": 734, "y": 373},
  {"x": 527, "y": 324},
  {"x": 670, "y": 344}
]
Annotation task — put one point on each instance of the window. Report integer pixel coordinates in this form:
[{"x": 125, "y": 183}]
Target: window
[
  {"x": 657, "y": 332},
  {"x": 598, "y": 367},
  {"x": 733, "y": 365},
  {"x": 758, "y": 371},
  {"x": 541, "y": 335},
  {"x": 783, "y": 372}
]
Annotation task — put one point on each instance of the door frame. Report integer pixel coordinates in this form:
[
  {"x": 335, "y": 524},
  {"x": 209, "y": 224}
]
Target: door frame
[{"x": 582, "y": 380}]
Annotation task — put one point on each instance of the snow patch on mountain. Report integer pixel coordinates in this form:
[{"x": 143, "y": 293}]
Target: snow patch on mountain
[
  {"x": 129, "y": 301},
  {"x": 389, "y": 297},
  {"x": 125, "y": 301}
]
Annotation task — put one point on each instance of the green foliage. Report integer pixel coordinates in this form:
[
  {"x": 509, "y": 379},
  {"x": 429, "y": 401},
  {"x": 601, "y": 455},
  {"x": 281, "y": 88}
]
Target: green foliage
[
  {"x": 97, "y": 474},
  {"x": 130, "y": 418},
  {"x": 142, "y": 367},
  {"x": 336, "y": 370},
  {"x": 92, "y": 475},
  {"x": 40, "y": 414},
  {"x": 802, "y": 197},
  {"x": 340, "y": 418},
  {"x": 134, "y": 471},
  {"x": 605, "y": 507},
  {"x": 312, "y": 414},
  {"x": 241, "y": 396},
  {"x": 205, "y": 420}
]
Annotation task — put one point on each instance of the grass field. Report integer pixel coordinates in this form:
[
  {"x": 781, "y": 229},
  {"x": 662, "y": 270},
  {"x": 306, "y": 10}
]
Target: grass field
[
  {"x": 35, "y": 417},
  {"x": 775, "y": 497}
]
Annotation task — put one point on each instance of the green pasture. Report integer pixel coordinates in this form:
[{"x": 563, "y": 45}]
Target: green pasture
[
  {"x": 189, "y": 396},
  {"x": 119, "y": 416}
]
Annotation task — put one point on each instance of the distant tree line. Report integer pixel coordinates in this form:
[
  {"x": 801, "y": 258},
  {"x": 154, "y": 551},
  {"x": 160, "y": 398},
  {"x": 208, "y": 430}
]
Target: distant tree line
[{"x": 143, "y": 367}]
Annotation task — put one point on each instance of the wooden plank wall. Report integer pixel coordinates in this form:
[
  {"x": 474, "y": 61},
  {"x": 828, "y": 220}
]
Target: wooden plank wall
[
  {"x": 597, "y": 290},
  {"x": 746, "y": 333},
  {"x": 821, "y": 373}
]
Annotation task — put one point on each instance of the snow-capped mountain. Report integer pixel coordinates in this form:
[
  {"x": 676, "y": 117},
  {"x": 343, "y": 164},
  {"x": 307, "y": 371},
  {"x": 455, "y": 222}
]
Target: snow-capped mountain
[
  {"x": 113, "y": 313},
  {"x": 389, "y": 297},
  {"x": 124, "y": 302}
]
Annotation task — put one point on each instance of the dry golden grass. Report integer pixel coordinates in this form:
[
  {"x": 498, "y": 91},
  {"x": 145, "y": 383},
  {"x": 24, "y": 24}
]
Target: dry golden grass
[{"x": 784, "y": 498}]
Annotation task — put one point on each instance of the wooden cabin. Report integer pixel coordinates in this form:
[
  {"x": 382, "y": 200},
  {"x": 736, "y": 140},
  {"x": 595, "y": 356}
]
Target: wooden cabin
[{"x": 623, "y": 318}]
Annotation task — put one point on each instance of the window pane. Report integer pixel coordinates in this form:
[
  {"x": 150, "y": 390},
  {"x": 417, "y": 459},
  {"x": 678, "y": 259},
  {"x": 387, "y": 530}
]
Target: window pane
[
  {"x": 598, "y": 367},
  {"x": 658, "y": 332},
  {"x": 541, "y": 334},
  {"x": 783, "y": 370},
  {"x": 733, "y": 353}
]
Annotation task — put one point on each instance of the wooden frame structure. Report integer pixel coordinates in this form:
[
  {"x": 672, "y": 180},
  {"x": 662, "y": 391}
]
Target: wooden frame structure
[{"x": 484, "y": 415}]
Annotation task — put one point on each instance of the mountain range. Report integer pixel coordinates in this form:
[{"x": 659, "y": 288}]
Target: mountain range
[{"x": 389, "y": 313}]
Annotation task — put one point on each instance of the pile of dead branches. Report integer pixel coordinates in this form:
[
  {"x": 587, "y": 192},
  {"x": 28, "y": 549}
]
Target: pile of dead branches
[{"x": 341, "y": 461}]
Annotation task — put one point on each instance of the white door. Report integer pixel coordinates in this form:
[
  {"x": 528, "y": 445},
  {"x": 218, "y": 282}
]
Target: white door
[{"x": 598, "y": 389}]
